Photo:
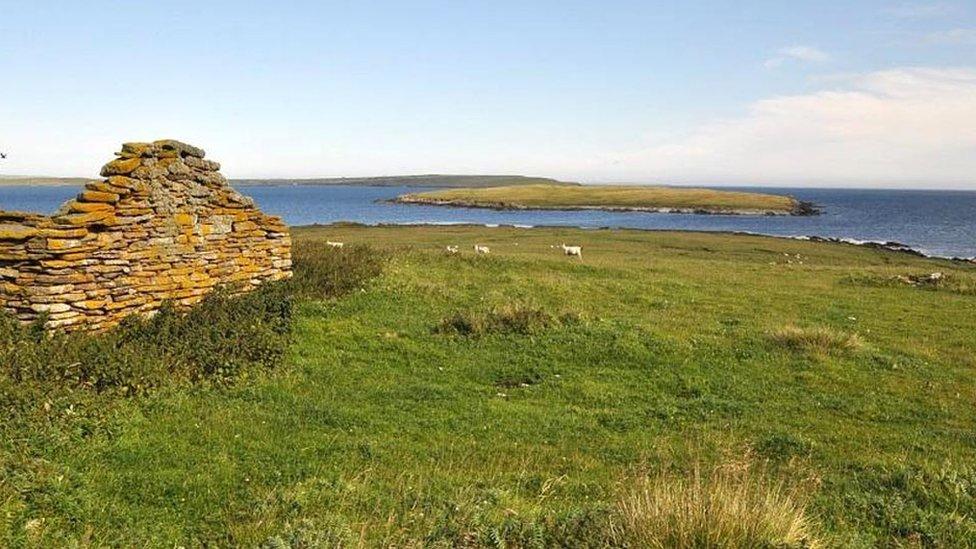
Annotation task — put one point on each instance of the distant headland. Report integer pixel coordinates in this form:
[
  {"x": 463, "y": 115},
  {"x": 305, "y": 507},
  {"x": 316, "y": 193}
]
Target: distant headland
[
  {"x": 633, "y": 198},
  {"x": 427, "y": 180}
]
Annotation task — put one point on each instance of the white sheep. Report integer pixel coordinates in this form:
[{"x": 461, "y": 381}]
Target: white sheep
[
  {"x": 479, "y": 249},
  {"x": 334, "y": 244},
  {"x": 573, "y": 250},
  {"x": 452, "y": 249}
]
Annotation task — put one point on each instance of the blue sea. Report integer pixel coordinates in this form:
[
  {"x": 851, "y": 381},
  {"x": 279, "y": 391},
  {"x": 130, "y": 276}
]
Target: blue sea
[{"x": 938, "y": 223}]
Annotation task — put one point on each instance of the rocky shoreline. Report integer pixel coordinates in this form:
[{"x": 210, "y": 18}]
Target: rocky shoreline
[
  {"x": 801, "y": 209},
  {"x": 890, "y": 245}
]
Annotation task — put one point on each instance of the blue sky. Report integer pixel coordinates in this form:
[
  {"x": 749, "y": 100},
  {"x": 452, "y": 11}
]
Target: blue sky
[{"x": 778, "y": 93}]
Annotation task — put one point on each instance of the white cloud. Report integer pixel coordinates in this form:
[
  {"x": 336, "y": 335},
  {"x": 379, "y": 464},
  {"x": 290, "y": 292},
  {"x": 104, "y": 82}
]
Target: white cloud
[
  {"x": 922, "y": 10},
  {"x": 902, "y": 127},
  {"x": 805, "y": 54},
  {"x": 959, "y": 36}
]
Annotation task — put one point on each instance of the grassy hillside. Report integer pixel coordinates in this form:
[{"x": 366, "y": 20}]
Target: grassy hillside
[
  {"x": 608, "y": 197},
  {"x": 412, "y": 181},
  {"x": 523, "y": 398}
]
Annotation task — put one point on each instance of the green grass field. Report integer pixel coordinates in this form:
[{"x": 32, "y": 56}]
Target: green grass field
[
  {"x": 522, "y": 398},
  {"x": 608, "y": 196}
]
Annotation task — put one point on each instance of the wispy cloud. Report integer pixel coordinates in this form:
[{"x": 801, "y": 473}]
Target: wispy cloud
[
  {"x": 961, "y": 36},
  {"x": 922, "y": 10},
  {"x": 805, "y": 54},
  {"x": 909, "y": 127}
]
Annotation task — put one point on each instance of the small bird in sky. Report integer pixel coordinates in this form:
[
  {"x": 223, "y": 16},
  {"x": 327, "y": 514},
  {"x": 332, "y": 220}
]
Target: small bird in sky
[{"x": 3, "y": 156}]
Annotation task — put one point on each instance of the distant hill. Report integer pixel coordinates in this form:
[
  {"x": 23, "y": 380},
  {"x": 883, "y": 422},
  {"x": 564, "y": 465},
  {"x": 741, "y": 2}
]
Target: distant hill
[
  {"x": 434, "y": 180},
  {"x": 7, "y": 180}
]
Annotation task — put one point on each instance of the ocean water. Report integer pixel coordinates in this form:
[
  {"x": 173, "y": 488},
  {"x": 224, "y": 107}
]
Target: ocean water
[{"x": 938, "y": 223}]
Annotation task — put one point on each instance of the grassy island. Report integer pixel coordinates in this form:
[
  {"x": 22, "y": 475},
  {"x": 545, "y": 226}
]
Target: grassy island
[
  {"x": 771, "y": 392},
  {"x": 612, "y": 197}
]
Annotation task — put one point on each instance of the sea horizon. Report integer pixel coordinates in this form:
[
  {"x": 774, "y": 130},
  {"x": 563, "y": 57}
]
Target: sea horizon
[{"x": 922, "y": 220}]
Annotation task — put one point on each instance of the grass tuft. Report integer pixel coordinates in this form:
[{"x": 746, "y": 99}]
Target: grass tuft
[
  {"x": 819, "y": 341},
  {"x": 961, "y": 282},
  {"x": 734, "y": 506}
]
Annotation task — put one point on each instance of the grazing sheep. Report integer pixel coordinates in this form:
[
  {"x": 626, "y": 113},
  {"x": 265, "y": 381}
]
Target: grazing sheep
[
  {"x": 479, "y": 249},
  {"x": 334, "y": 244},
  {"x": 573, "y": 250},
  {"x": 452, "y": 249}
]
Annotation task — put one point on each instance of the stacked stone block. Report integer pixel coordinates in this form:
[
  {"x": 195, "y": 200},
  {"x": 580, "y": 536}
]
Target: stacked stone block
[{"x": 163, "y": 225}]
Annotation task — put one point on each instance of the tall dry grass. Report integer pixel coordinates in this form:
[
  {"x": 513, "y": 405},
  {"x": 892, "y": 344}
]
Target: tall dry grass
[
  {"x": 819, "y": 340},
  {"x": 730, "y": 506}
]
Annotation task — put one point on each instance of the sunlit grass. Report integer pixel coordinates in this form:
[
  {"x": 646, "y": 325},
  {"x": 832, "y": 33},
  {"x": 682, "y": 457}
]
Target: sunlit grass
[
  {"x": 374, "y": 428},
  {"x": 730, "y": 506}
]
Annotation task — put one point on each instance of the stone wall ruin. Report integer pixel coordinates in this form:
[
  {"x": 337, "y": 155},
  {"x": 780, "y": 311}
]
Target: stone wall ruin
[{"x": 163, "y": 225}]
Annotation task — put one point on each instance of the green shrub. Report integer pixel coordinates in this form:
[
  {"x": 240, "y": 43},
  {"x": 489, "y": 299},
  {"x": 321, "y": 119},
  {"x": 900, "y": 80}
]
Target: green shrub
[
  {"x": 322, "y": 272},
  {"x": 216, "y": 339},
  {"x": 510, "y": 376},
  {"x": 914, "y": 506},
  {"x": 308, "y": 534},
  {"x": 578, "y": 529},
  {"x": 782, "y": 446},
  {"x": 508, "y": 319}
]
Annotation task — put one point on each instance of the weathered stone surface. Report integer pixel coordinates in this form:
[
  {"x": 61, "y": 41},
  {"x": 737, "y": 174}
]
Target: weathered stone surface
[
  {"x": 50, "y": 307},
  {"x": 134, "y": 185},
  {"x": 10, "y": 231},
  {"x": 86, "y": 207},
  {"x": 82, "y": 218},
  {"x": 98, "y": 196},
  {"x": 105, "y": 187},
  {"x": 163, "y": 226},
  {"x": 135, "y": 150},
  {"x": 121, "y": 166},
  {"x": 167, "y": 145}
]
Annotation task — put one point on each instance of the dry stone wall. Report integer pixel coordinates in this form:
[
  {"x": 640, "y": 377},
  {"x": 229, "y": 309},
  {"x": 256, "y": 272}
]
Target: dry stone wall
[{"x": 163, "y": 225}]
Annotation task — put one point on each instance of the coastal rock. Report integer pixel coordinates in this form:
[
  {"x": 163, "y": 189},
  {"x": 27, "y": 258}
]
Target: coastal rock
[
  {"x": 163, "y": 226},
  {"x": 890, "y": 245}
]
